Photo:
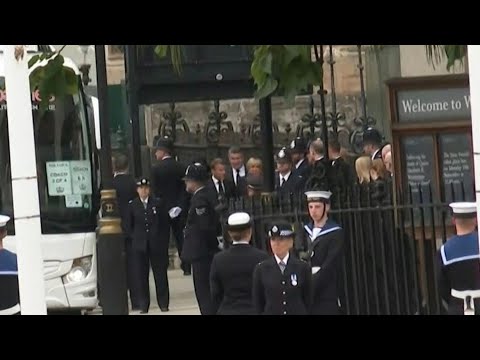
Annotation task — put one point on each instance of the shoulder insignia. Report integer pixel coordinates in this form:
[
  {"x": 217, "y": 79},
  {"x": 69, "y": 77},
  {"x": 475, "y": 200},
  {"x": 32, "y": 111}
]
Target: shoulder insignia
[{"x": 200, "y": 211}]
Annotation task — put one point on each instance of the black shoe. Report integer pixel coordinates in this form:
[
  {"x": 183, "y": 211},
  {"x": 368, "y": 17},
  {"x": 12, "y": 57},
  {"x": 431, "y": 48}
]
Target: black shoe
[
  {"x": 143, "y": 311},
  {"x": 164, "y": 309}
]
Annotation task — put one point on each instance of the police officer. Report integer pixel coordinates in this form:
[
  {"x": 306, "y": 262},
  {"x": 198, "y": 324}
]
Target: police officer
[
  {"x": 201, "y": 242},
  {"x": 324, "y": 245},
  {"x": 298, "y": 149},
  {"x": 282, "y": 285},
  {"x": 231, "y": 275},
  {"x": 9, "y": 295},
  {"x": 458, "y": 263},
  {"x": 148, "y": 216},
  {"x": 168, "y": 185},
  {"x": 286, "y": 180},
  {"x": 372, "y": 143}
]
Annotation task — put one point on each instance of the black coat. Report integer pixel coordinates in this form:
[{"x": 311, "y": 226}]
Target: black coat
[
  {"x": 167, "y": 183},
  {"x": 145, "y": 226},
  {"x": 326, "y": 252},
  {"x": 293, "y": 185},
  {"x": 228, "y": 185},
  {"x": 201, "y": 227},
  {"x": 231, "y": 279},
  {"x": 275, "y": 293},
  {"x": 303, "y": 170},
  {"x": 126, "y": 188},
  {"x": 240, "y": 189}
]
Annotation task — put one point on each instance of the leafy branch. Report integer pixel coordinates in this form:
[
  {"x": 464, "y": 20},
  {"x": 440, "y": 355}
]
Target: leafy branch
[{"x": 51, "y": 78}]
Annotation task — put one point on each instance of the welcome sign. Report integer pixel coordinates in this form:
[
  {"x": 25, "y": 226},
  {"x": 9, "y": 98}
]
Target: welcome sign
[{"x": 433, "y": 105}]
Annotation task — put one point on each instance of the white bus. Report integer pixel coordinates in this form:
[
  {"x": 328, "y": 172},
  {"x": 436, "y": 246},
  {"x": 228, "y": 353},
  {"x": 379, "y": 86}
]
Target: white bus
[{"x": 66, "y": 153}]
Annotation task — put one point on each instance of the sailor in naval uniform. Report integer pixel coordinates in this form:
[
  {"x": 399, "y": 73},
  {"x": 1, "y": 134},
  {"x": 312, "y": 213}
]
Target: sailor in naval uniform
[
  {"x": 9, "y": 295},
  {"x": 282, "y": 284},
  {"x": 459, "y": 263},
  {"x": 323, "y": 247}
]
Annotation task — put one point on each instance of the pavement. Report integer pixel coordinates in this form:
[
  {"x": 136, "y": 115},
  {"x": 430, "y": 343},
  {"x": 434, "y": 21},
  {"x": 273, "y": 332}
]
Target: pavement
[{"x": 182, "y": 297}]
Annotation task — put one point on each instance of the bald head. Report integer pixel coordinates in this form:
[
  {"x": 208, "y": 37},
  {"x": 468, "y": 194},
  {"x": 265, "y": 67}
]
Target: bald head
[
  {"x": 316, "y": 150},
  {"x": 387, "y": 160}
]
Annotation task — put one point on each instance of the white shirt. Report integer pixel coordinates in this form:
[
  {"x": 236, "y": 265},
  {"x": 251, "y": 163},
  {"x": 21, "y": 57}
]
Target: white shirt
[
  {"x": 241, "y": 174},
  {"x": 240, "y": 242},
  {"x": 285, "y": 259},
  {"x": 145, "y": 202},
  {"x": 286, "y": 176},
  {"x": 375, "y": 154},
  {"x": 299, "y": 163},
  {"x": 166, "y": 157},
  {"x": 115, "y": 174},
  {"x": 217, "y": 184},
  {"x": 333, "y": 162},
  {"x": 198, "y": 190}
]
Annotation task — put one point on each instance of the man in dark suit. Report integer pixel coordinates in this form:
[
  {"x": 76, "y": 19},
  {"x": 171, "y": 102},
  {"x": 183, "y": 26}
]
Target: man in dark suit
[
  {"x": 168, "y": 185},
  {"x": 282, "y": 285},
  {"x": 341, "y": 174},
  {"x": 231, "y": 275},
  {"x": 220, "y": 186},
  {"x": 319, "y": 166},
  {"x": 201, "y": 242},
  {"x": 126, "y": 188},
  {"x": 147, "y": 217},
  {"x": 237, "y": 170},
  {"x": 286, "y": 181}
]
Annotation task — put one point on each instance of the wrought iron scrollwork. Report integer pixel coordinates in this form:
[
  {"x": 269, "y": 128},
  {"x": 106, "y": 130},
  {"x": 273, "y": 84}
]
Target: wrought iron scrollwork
[
  {"x": 310, "y": 122},
  {"x": 364, "y": 121},
  {"x": 217, "y": 124},
  {"x": 172, "y": 122}
]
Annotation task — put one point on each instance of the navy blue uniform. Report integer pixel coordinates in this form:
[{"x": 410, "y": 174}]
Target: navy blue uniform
[
  {"x": 289, "y": 293},
  {"x": 201, "y": 245},
  {"x": 126, "y": 188},
  {"x": 325, "y": 254},
  {"x": 459, "y": 269},
  {"x": 231, "y": 279},
  {"x": 9, "y": 295},
  {"x": 150, "y": 246}
]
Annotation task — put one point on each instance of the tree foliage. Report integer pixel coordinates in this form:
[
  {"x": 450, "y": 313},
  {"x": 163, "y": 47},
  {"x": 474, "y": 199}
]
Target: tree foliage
[{"x": 276, "y": 69}]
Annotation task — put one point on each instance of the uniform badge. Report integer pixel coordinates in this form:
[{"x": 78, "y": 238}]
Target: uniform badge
[
  {"x": 201, "y": 211},
  {"x": 154, "y": 209},
  {"x": 293, "y": 277}
]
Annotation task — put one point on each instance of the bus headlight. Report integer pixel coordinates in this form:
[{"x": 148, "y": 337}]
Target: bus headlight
[{"x": 80, "y": 270}]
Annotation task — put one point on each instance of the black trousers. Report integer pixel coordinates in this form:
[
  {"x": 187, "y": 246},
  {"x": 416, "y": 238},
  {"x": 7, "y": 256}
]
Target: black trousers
[
  {"x": 159, "y": 263},
  {"x": 201, "y": 282},
  {"x": 132, "y": 276},
  {"x": 177, "y": 225}
]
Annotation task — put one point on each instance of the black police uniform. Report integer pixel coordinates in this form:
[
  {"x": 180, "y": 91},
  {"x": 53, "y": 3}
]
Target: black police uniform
[
  {"x": 146, "y": 224},
  {"x": 201, "y": 242},
  {"x": 231, "y": 275},
  {"x": 458, "y": 269},
  {"x": 126, "y": 188},
  {"x": 299, "y": 145},
  {"x": 282, "y": 293},
  {"x": 167, "y": 184},
  {"x": 294, "y": 182},
  {"x": 373, "y": 136}
]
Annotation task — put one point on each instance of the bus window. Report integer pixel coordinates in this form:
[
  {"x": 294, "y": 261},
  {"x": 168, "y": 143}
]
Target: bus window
[
  {"x": 66, "y": 177},
  {"x": 6, "y": 199}
]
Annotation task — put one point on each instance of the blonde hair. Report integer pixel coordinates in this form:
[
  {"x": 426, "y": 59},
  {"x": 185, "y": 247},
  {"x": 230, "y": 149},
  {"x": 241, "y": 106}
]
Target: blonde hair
[
  {"x": 379, "y": 167},
  {"x": 254, "y": 162},
  {"x": 362, "y": 167}
]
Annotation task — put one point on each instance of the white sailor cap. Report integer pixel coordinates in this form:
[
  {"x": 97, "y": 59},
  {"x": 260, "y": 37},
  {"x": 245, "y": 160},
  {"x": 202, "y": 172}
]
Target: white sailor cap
[
  {"x": 464, "y": 210},
  {"x": 318, "y": 196},
  {"x": 4, "y": 220},
  {"x": 239, "y": 221}
]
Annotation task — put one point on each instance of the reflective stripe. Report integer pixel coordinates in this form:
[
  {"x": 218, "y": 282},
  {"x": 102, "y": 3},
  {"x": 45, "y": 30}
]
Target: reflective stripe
[{"x": 12, "y": 311}]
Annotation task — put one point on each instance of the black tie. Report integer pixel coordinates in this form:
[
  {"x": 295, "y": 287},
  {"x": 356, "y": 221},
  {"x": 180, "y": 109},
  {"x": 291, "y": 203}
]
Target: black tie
[
  {"x": 282, "y": 182},
  {"x": 221, "y": 190},
  {"x": 237, "y": 176}
]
